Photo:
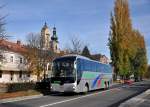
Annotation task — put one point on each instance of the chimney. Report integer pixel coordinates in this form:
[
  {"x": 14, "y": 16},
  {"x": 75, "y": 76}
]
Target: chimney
[{"x": 18, "y": 42}]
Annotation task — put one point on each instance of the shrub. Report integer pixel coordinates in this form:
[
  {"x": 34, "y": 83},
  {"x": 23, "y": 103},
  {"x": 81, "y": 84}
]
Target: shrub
[{"x": 13, "y": 87}]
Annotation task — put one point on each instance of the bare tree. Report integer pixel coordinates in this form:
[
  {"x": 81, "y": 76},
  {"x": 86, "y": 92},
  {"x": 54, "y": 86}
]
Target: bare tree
[
  {"x": 2, "y": 33},
  {"x": 36, "y": 56},
  {"x": 33, "y": 40},
  {"x": 76, "y": 46},
  {"x": 2, "y": 24}
]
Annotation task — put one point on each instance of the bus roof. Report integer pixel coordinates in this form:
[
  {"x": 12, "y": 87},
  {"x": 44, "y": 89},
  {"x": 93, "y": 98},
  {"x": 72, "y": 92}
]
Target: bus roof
[
  {"x": 83, "y": 57},
  {"x": 79, "y": 56},
  {"x": 72, "y": 55}
]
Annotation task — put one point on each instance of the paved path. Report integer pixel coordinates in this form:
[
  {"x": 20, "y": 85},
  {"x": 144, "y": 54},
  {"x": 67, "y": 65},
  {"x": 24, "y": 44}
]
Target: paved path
[{"x": 142, "y": 100}]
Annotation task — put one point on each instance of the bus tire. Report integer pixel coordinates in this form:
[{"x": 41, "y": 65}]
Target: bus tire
[
  {"x": 108, "y": 84},
  {"x": 86, "y": 88},
  {"x": 105, "y": 85}
]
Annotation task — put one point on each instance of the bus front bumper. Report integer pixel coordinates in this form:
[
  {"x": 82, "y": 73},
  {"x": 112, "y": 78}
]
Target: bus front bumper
[{"x": 63, "y": 88}]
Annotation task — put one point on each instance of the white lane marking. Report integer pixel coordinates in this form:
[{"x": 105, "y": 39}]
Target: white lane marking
[
  {"x": 63, "y": 101},
  {"x": 128, "y": 86}
]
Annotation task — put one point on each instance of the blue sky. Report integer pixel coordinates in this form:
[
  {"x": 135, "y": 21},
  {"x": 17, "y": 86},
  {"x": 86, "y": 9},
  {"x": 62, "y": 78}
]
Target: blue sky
[{"x": 89, "y": 20}]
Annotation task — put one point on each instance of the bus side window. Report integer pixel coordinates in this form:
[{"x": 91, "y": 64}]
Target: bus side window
[
  {"x": 97, "y": 67},
  {"x": 86, "y": 65},
  {"x": 93, "y": 67},
  {"x": 89, "y": 66},
  {"x": 79, "y": 68},
  {"x": 101, "y": 68},
  {"x": 107, "y": 69}
]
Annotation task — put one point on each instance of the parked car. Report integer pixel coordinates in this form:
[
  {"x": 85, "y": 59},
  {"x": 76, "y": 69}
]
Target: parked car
[
  {"x": 129, "y": 81},
  {"x": 44, "y": 84}
]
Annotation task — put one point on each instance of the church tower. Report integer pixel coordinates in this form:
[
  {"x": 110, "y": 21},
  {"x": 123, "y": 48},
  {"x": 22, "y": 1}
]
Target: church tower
[
  {"x": 54, "y": 41},
  {"x": 45, "y": 37}
]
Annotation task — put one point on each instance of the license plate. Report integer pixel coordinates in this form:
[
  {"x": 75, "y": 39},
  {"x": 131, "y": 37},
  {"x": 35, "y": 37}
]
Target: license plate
[{"x": 56, "y": 82}]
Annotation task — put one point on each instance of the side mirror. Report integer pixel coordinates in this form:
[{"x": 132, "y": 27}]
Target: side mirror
[{"x": 75, "y": 65}]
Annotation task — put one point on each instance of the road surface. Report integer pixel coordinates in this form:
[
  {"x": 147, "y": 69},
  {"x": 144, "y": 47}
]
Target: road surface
[{"x": 100, "y": 98}]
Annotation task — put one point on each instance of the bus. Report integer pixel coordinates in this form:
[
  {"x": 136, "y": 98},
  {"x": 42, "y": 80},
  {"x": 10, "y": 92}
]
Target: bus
[{"x": 75, "y": 73}]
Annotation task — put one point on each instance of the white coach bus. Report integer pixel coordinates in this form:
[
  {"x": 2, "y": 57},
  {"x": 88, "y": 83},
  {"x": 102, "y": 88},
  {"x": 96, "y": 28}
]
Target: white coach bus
[{"x": 75, "y": 73}]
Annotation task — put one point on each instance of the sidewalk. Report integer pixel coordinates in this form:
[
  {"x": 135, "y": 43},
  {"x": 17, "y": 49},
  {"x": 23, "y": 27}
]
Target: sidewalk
[
  {"x": 142, "y": 100},
  {"x": 20, "y": 98},
  {"x": 20, "y": 95}
]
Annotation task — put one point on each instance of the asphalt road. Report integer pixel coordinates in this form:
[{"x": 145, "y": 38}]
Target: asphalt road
[{"x": 100, "y": 98}]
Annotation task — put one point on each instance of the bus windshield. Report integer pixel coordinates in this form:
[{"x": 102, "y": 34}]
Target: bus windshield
[{"x": 63, "y": 67}]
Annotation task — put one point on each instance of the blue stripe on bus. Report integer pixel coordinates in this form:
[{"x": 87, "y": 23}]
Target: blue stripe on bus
[{"x": 95, "y": 81}]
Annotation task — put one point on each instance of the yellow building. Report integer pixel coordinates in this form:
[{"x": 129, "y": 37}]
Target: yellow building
[{"x": 49, "y": 41}]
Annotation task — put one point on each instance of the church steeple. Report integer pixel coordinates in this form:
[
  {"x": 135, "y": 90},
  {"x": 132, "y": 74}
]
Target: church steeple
[
  {"x": 54, "y": 36},
  {"x": 54, "y": 41},
  {"x": 45, "y": 37},
  {"x": 45, "y": 26},
  {"x": 48, "y": 41}
]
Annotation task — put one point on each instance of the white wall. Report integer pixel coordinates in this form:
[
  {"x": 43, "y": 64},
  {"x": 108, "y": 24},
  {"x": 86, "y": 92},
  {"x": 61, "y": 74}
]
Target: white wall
[
  {"x": 5, "y": 77},
  {"x": 6, "y": 66}
]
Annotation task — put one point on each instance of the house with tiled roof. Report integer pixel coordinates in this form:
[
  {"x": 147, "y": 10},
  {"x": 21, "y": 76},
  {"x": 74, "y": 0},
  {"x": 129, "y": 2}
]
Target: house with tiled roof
[
  {"x": 101, "y": 58},
  {"x": 13, "y": 64}
]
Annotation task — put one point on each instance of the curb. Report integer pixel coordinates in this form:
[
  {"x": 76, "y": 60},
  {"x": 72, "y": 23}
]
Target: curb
[
  {"x": 20, "y": 98},
  {"x": 135, "y": 101}
]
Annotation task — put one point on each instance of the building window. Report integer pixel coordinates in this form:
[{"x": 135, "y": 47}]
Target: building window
[
  {"x": 20, "y": 74},
  {"x": 28, "y": 75},
  {"x": 21, "y": 60},
  {"x": 1, "y": 74},
  {"x": 49, "y": 67},
  {"x": 11, "y": 59},
  {"x": 25, "y": 61},
  {"x": 11, "y": 75},
  {"x": 1, "y": 57}
]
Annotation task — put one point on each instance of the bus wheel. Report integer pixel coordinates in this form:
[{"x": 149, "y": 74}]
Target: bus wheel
[
  {"x": 86, "y": 89},
  {"x": 107, "y": 84}
]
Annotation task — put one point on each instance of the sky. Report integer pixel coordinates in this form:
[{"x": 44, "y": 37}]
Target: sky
[{"x": 88, "y": 20}]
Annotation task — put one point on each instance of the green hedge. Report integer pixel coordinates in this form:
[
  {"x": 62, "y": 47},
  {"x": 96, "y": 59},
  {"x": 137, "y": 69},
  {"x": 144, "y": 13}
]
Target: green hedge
[{"x": 13, "y": 87}]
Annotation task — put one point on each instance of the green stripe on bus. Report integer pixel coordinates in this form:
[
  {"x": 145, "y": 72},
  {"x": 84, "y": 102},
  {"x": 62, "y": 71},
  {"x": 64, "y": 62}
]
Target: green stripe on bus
[{"x": 88, "y": 75}]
